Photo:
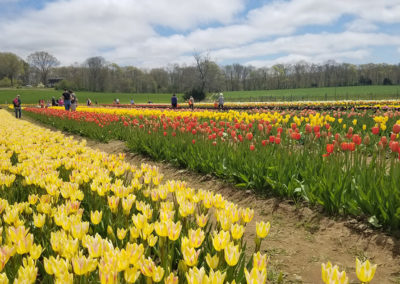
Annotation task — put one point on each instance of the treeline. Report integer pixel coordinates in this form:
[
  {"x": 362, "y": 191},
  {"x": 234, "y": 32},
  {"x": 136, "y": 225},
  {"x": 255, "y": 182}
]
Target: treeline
[{"x": 96, "y": 74}]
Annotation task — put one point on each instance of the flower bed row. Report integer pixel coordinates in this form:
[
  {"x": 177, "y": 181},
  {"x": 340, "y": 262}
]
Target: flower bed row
[
  {"x": 75, "y": 215},
  {"x": 306, "y": 155},
  {"x": 318, "y": 105}
]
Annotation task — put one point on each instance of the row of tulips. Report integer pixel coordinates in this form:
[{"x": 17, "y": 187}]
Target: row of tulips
[
  {"x": 75, "y": 215},
  {"x": 361, "y": 104},
  {"x": 303, "y": 155}
]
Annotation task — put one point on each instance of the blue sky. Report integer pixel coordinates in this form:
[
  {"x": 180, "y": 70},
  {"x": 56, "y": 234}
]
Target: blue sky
[{"x": 158, "y": 33}]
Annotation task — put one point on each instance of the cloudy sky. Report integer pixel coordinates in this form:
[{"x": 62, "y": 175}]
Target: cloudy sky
[{"x": 155, "y": 33}]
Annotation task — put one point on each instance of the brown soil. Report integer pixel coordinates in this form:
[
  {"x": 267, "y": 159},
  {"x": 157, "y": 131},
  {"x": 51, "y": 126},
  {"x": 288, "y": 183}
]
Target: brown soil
[{"x": 300, "y": 238}]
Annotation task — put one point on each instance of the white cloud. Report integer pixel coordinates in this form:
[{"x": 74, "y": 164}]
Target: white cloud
[
  {"x": 123, "y": 31},
  {"x": 361, "y": 25}
]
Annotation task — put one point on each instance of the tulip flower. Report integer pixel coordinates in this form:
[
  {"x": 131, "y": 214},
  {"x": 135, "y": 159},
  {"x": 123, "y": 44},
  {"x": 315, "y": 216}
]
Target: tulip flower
[
  {"x": 212, "y": 261},
  {"x": 171, "y": 279},
  {"x": 262, "y": 229},
  {"x": 232, "y": 254},
  {"x": 95, "y": 217},
  {"x": 365, "y": 271}
]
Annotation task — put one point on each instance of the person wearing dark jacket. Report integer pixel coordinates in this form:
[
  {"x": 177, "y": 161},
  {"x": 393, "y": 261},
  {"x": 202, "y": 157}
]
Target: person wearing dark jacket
[
  {"x": 67, "y": 99},
  {"x": 174, "y": 101},
  {"x": 17, "y": 106}
]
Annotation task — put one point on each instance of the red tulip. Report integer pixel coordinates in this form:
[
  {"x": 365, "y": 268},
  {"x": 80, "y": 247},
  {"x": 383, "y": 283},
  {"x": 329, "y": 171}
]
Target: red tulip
[
  {"x": 329, "y": 148},
  {"x": 357, "y": 139},
  {"x": 249, "y": 136},
  {"x": 252, "y": 147},
  {"x": 271, "y": 139},
  {"x": 396, "y": 128},
  {"x": 375, "y": 130},
  {"x": 308, "y": 128},
  {"x": 193, "y": 141}
]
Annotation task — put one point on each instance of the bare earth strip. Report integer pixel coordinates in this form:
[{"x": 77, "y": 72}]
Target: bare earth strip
[{"x": 300, "y": 238}]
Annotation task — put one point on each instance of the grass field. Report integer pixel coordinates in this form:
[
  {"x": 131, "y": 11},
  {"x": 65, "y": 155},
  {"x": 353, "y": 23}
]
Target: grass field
[
  {"x": 332, "y": 93},
  {"x": 33, "y": 95}
]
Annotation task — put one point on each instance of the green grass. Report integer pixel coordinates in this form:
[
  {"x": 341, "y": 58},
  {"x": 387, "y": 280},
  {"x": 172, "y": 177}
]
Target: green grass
[
  {"x": 32, "y": 95},
  {"x": 332, "y": 93}
]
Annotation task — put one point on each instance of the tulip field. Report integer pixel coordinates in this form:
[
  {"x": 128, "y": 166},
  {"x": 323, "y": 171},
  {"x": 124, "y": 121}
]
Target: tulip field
[
  {"x": 71, "y": 214},
  {"x": 345, "y": 161},
  {"x": 74, "y": 215}
]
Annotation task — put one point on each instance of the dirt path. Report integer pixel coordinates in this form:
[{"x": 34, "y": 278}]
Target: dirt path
[{"x": 300, "y": 238}]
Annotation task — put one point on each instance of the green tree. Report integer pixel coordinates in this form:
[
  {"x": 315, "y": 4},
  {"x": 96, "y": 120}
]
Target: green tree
[{"x": 11, "y": 66}]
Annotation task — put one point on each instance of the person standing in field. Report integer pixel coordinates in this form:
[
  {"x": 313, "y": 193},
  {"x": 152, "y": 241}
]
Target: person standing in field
[
  {"x": 53, "y": 101},
  {"x": 88, "y": 102},
  {"x": 74, "y": 101},
  {"x": 67, "y": 100},
  {"x": 221, "y": 101},
  {"x": 174, "y": 101},
  {"x": 191, "y": 103},
  {"x": 17, "y": 106}
]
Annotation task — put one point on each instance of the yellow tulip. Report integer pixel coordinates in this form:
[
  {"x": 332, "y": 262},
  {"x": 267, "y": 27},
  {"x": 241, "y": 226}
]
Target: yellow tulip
[
  {"x": 121, "y": 233},
  {"x": 36, "y": 251},
  {"x": 220, "y": 240},
  {"x": 5, "y": 253},
  {"x": 39, "y": 220},
  {"x": 147, "y": 267},
  {"x": 237, "y": 231},
  {"x": 201, "y": 220},
  {"x": 255, "y": 276},
  {"x": 262, "y": 229},
  {"x": 113, "y": 202},
  {"x": 3, "y": 278},
  {"x": 139, "y": 220},
  {"x": 331, "y": 274},
  {"x": 247, "y": 215},
  {"x": 212, "y": 261},
  {"x": 174, "y": 230},
  {"x": 83, "y": 265},
  {"x": 172, "y": 279},
  {"x": 260, "y": 261},
  {"x": 161, "y": 228},
  {"x": 232, "y": 254},
  {"x": 131, "y": 274},
  {"x": 365, "y": 271},
  {"x": 196, "y": 237},
  {"x": 152, "y": 240},
  {"x": 95, "y": 217},
  {"x": 196, "y": 276},
  {"x": 134, "y": 252},
  {"x": 158, "y": 274},
  {"x": 216, "y": 277}
]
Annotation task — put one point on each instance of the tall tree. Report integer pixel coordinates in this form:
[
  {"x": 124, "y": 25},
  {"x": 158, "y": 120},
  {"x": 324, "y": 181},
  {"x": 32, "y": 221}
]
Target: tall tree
[
  {"x": 11, "y": 66},
  {"x": 43, "y": 61},
  {"x": 95, "y": 67}
]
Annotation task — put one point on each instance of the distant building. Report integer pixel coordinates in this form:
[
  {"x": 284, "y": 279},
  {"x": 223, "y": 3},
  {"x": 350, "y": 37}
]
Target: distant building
[{"x": 53, "y": 81}]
